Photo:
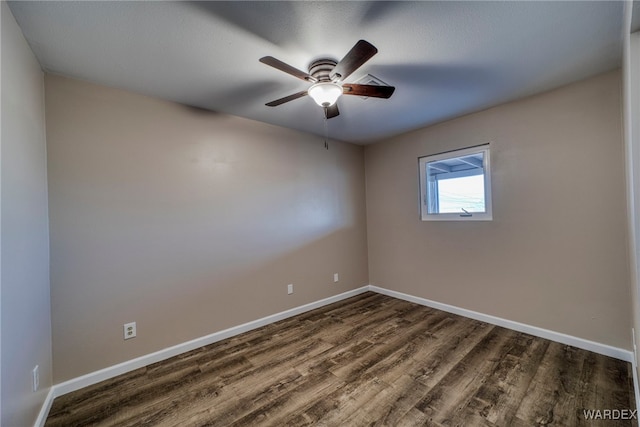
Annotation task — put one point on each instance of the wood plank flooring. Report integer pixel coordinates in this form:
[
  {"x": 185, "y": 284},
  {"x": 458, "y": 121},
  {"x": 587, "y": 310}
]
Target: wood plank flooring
[{"x": 369, "y": 360}]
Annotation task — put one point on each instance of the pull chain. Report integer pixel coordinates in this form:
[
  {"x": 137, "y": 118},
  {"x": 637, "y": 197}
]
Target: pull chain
[{"x": 326, "y": 129}]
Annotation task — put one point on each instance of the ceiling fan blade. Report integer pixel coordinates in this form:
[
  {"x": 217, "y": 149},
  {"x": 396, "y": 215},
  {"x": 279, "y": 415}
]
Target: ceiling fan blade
[
  {"x": 331, "y": 112},
  {"x": 286, "y": 99},
  {"x": 358, "y": 55},
  {"x": 276, "y": 63},
  {"x": 368, "y": 90}
]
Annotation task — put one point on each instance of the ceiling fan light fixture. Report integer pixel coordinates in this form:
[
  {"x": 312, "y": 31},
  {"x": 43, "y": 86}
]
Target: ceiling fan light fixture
[{"x": 325, "y": 94}]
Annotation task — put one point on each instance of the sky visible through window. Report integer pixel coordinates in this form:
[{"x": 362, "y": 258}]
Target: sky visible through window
[{"x": 457, "y": 194}]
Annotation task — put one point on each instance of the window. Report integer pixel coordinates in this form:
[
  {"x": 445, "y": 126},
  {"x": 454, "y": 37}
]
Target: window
[{"x": 456, "y": 186}]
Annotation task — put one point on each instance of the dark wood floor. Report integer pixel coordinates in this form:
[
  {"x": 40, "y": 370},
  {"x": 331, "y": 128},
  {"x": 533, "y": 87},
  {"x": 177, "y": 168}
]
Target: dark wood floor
[{"x": 368, "y": 360}]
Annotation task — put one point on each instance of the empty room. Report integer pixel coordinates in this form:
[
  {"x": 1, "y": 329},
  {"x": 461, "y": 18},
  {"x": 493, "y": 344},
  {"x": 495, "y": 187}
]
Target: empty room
[{"x": 333, "y": 213}]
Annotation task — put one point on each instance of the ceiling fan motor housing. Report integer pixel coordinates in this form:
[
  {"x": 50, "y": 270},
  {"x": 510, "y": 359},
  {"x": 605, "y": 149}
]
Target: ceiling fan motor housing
[{"x": 321, "y": 69}]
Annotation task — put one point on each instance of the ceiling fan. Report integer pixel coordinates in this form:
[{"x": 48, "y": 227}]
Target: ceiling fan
[{"x": 327, "y": 77}]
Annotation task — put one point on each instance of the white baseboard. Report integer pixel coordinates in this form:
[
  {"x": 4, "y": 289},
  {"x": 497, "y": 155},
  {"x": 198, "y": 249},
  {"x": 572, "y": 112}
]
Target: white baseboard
[
  {"x": 130, "y": 365},
  {"x": 634, "y": 368},
  {"x": 46, "y": 407},
  {"x": 139, "y": 362},
  {"x": 636, "y": 388},
  {"x": 584, "y": 344}
]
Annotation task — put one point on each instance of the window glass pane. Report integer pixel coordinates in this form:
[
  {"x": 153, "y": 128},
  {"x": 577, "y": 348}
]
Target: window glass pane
[{"x": 459, "y": 194}]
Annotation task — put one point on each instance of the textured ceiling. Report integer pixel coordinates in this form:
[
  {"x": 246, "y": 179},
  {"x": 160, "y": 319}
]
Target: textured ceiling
[{"x": 445, "y": 59}]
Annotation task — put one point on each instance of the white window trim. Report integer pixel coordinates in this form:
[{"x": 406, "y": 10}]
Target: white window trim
[{"x": 475, "y": 216}]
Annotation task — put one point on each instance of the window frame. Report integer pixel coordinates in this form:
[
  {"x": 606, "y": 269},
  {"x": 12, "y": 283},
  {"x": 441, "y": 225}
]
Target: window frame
[{"x": 487, "y": 215}]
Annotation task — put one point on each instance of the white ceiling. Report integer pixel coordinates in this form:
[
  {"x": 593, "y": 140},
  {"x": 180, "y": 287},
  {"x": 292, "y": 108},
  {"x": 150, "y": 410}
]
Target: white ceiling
[{"x": 445, "y": 59}]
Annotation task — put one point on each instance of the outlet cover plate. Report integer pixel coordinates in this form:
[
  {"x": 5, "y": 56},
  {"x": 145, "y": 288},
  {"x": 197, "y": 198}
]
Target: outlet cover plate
[{"x": 130, "y": 330}]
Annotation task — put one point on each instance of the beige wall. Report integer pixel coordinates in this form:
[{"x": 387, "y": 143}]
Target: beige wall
[
  {"x": 25, "y": 305},
  {"x": 555, "y": 254},
  {"x": 187, "y": 222}
]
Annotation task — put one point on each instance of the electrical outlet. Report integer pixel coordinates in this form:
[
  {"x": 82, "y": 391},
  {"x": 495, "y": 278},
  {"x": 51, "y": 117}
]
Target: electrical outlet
[
  {"x": 289, "y": 289},
  {"x": 335, "y": 278},
  {"x": 35, "y": 378},
  {"x": 129, "y": 330}
]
